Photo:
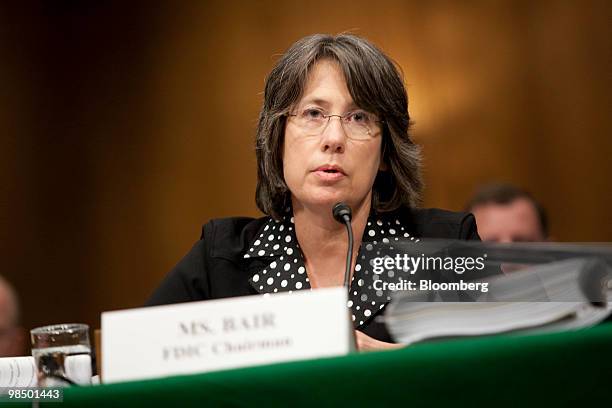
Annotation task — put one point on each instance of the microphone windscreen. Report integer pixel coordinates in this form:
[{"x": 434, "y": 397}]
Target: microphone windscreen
[{"x": 341, "y": 211}]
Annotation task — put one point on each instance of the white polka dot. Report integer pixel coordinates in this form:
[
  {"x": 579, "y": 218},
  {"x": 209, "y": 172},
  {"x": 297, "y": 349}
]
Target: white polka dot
[
  {"x": 406, "y": 234},
  {"x": 371, "y": 233},
  {"x": 256, "y": 278},
  {"x": 357, "y": 268},
  {"x": 357, "y": 308},
  {"x": 349, "y": 303},
  {"x": 260, "y": 287},
  {"x": 257, "y": 242},
  {"x": 267, "y": 227},
  {"x": 391, "y": 231},
  {"x": 282, "y": 227},
  {"x": 379, "y": 223},
  {"x": 261, "y": 252},
  {"x": 278, "y": 274},
  {"x": 270, "y": 237},
  {"x": 386, "y": 240},
  {"x": 284, "y": 283},
  {"x": 292, "y": 275},
  {"x": 247, "y": 255},
  {"x": 353, "y": 317},
  {"x": 289, "y": 251},
  {"x": 265, "y": 271},
  {"x": 270, "y": 281},
  {"x": 298, "y": 285},
  {"x": 367, "y": 312},
  {"x": 361, "y": 322},
  {"x": 291, "y": 220},
  {"x": 288, "y": 238},
  {"x": 275, "y": 247},
  {"x": 287, "y": 266},
  {"x": 275, "y": 290},
  {"x": 273, "y": 265},
  {"x": 360, "y": 282},
  {"x": 301, "y": 270},
  {"x": 307, "y": 280}
]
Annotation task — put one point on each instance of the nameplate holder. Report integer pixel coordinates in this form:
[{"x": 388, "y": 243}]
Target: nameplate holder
[{"x": 212, "y": 335}]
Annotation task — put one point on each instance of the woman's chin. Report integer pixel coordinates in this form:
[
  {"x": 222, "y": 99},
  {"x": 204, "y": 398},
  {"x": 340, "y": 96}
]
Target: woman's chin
[{"x": 325, "y": 200}]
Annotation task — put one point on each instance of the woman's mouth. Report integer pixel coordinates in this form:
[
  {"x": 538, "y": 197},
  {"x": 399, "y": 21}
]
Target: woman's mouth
[{"x": 330, "y": 173}]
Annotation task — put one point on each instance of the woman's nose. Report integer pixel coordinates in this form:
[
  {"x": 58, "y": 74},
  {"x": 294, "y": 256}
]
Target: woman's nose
[{"x": 334, "y": 136}]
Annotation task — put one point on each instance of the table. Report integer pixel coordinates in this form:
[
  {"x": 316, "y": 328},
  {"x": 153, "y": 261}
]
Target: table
[{"x": 559, "y": 369}]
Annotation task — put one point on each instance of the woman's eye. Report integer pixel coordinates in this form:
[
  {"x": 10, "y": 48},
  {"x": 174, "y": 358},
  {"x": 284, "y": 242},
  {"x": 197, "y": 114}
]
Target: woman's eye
[
  {"x": 359, "y": 117},
  {"x": 312, "y": 114}
]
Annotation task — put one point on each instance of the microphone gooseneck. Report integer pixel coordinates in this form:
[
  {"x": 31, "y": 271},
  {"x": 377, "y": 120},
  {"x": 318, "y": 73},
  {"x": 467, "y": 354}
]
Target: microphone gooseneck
[{"x": 343, "y": 214}]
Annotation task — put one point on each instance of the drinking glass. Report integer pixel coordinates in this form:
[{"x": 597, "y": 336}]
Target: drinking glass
[{"x": 62, "y": 353}]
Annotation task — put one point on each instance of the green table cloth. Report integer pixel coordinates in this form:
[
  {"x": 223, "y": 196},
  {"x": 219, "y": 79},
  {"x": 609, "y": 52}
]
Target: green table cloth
[{"x": 559, "y": 369}]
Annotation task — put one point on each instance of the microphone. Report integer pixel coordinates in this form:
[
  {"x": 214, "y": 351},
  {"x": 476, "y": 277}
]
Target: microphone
[{"x": 343, "y": 214}]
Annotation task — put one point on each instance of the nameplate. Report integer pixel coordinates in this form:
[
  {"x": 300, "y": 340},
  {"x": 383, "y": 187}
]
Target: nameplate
[{"x": 221, "y": 334}]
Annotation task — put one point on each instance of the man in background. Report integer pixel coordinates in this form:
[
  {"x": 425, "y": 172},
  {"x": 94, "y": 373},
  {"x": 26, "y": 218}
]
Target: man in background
[
  {"x": 505, "y": 213},
  {"x": 12, "y": 336}
]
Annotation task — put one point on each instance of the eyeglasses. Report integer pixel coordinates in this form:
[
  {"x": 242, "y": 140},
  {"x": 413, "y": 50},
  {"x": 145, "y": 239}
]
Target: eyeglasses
[{"x": 358, "y": 124}]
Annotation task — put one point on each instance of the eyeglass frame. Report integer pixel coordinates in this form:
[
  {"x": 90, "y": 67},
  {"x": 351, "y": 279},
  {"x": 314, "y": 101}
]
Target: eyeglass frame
[{"x": 341, "y": 117}]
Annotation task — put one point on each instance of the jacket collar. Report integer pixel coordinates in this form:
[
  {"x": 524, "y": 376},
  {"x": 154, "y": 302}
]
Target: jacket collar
[{"x": 281, "y": 265}]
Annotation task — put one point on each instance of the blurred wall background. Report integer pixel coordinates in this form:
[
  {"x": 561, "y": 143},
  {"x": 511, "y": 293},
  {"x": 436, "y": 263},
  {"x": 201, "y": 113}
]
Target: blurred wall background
[{"x": 126, "y": 125}]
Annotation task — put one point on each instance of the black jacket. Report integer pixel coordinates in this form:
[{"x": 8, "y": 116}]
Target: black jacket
[{"x": 245, "y": 256}]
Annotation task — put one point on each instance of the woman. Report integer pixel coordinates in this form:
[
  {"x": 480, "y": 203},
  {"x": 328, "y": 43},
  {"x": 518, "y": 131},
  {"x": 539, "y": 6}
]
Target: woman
[{"x": 333, "y": 127}]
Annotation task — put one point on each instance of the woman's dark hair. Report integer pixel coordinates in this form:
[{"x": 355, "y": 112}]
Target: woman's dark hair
[{"x": 374, "y": 84}]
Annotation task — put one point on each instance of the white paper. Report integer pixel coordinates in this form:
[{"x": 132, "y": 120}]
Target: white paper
[{"x": 17, "y": 372}]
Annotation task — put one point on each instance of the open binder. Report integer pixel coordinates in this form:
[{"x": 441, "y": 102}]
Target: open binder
[{"x": 531, "y": 288}]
